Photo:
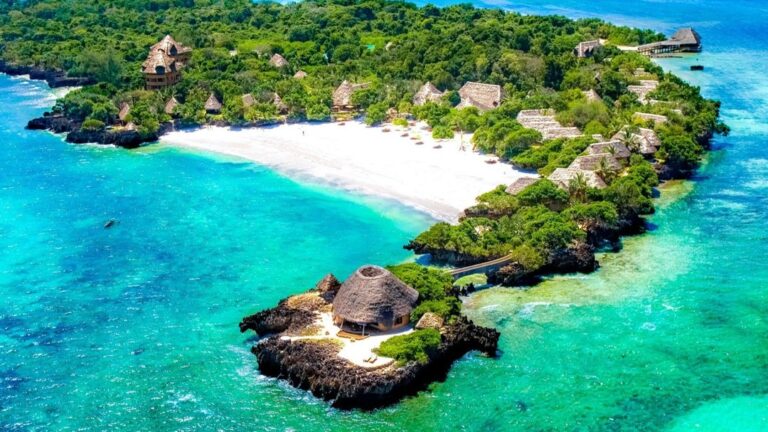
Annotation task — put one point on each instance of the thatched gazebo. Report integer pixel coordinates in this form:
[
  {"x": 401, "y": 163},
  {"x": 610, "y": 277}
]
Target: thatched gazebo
[
  {"x": 342, "y": 96},
  {"x": 372, "y": 298},
  {"x": 213, "y": 105},
  {"x": 427, "y": 93},
  {"x": 170, "y": 106},
  {"x": 278, "y": 61}
]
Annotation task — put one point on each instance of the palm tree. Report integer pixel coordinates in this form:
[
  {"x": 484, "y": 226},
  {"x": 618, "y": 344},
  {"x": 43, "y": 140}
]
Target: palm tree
[
  {"x": 577, "y": 188},
  {"x": 606, "y": 171}
]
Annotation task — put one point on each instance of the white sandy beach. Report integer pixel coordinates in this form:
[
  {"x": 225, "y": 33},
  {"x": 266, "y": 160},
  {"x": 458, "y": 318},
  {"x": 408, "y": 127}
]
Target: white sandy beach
[{"x": 439, "y": 181}]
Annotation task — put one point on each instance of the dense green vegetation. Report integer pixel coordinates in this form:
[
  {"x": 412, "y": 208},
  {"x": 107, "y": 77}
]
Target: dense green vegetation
[
  {"x": 434, "y": 287},
  {"x": 415, "y": 346},
  {"x": 394, "y": 47}
]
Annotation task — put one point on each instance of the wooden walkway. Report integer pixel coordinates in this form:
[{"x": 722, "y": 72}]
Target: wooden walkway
[{"x": 483, "y": 267}]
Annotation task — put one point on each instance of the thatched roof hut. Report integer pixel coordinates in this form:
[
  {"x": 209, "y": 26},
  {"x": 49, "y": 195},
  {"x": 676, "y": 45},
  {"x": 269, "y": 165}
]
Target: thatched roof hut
[
  {"x": 596, "y": 162},
  {"x": 373, "y": 296},
  {"x": 125, "y": 109},
  {"x": 592, "y": 96},
  {"x": 278, "y": 61},
  {"x": 171, "y": 47},
  {"x": 617, "y": 149},
  {"x": 518, "y": 185},
  {"x": 430, "y": 320},
  {"x": 427, "y": 93},
  {"x": 684, "y": 40},
  {"x": 563, "y": 177},
  {"x": 213, "y": 105},
  {"x": 645, "y": 141},
  {"x": 342, "y": 96},
  {"x": 587, "y": 48},
  {"x": 158, "y": 63},
  {"x": 328, "y": 283},
  {"x": 482, "y": 96},
  {"x": 248, "y": 100},
  {"x": 171, "y": 105},
  {"x": 279, "y": 104},
  {"x": 300, "y": 75}
]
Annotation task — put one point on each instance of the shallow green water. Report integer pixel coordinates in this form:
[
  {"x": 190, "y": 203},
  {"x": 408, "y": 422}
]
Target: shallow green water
[{"x": 135, "y": 328}]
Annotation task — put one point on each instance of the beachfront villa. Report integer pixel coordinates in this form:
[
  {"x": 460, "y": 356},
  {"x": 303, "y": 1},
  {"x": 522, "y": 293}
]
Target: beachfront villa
[
  {"x": 342, "y": 96},
  {"x": 163, "y": 65},
  {"x": 587, "y": 48},
  {"x": 427, "y": 93},
  {"x": 213, "y": 105},
  {"x": 482, "y": 96},
  {"x": 684, "y": 40},
  {"x": 373, "y": 299}
]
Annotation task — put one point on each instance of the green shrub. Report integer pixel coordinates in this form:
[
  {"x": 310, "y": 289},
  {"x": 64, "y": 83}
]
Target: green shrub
[
  {"x": 442, "y": 132},
  {"x": 92, "y": 124},
  {"x": 432, "y": 284},
  {"x": 446, "y": 308},
  {"x": 412, "y": 347},
  {"x": 400, "y": 122}
]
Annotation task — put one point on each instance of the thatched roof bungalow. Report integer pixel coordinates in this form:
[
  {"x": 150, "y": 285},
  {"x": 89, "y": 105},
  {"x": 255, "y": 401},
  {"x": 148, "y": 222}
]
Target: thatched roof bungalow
[
  {"x": 248, "y": 100},
  {"x": 164, "y": 63},
  {"x": 213, "y": 105},
  {"x": 596, "y": 162},
  {"x": 342, "y": 96},
  {"x": 277, "y": 101},
  {"x": 684, "y": 40},
  {"x": 373, "y": 298},
  {"x": 645, "y": 141},
  {"x": 300, "y": 75},
  {"x": 587, "y": 48},
  {"x": 564, "y": 177},
  {"x": 518, "y": 185},
  {"x": 278, "y": 61},
  {"x": 171, "y": 105},
  {"x": 427, "y": 93},
  {"x": 482, "y": 96},
  {"x": 617, "y": 149},
  {"x": 643, "y": 89}
]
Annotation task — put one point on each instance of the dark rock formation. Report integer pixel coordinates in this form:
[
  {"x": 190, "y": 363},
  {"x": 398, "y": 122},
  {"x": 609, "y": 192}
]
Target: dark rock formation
[
  {"x": 316, "y": 367},
  {"x": 125, "y": 138},
  {"x": 54, "y": 78},
  {"x": 443, "y": 256}
]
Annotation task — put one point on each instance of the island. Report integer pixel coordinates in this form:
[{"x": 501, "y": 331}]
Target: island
[
  {"x": 369, "y": 341},
  {"x": 589, "y": 124}
]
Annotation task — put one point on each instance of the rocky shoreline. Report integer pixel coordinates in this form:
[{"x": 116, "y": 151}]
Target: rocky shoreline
[
  {"x": 314, "y": 366},
  {"x": 54, "y": 78}
]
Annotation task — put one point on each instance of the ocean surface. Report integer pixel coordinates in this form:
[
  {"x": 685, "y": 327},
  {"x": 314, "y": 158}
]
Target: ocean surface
[{"x": 135, "y": 327}]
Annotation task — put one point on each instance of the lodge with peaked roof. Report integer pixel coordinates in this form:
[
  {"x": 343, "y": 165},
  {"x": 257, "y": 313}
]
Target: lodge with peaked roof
[
  {"x": 163, "y": 65},
  {"x": 482, "y": 96},
  {"x": 373, "y": 299},
  {"x": 684, "y": 40}
]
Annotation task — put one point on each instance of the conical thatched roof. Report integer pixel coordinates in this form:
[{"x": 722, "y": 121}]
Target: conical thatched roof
[
  {"x": 213, "y": 105},
  {"x": 278, "y": 61},
  {"x": 373, "y": 294},
  {"x": 427, "y": 93},
  {"x": 300, "y": 75},
  {"x": 158, "y": 62},
  {"x": 342, "y": 96},
  {"x": 248, "y": 100},
  {"x": 169, "y": 45},
  {"x": 171, "y": 105}
]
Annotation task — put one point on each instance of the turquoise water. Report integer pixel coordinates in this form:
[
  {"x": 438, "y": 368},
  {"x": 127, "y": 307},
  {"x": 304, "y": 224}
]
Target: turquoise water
[{"x": 135, "y": 328}]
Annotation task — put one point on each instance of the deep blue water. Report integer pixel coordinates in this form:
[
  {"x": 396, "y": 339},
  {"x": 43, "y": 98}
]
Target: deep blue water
[{"x": 135, "y": 328}]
